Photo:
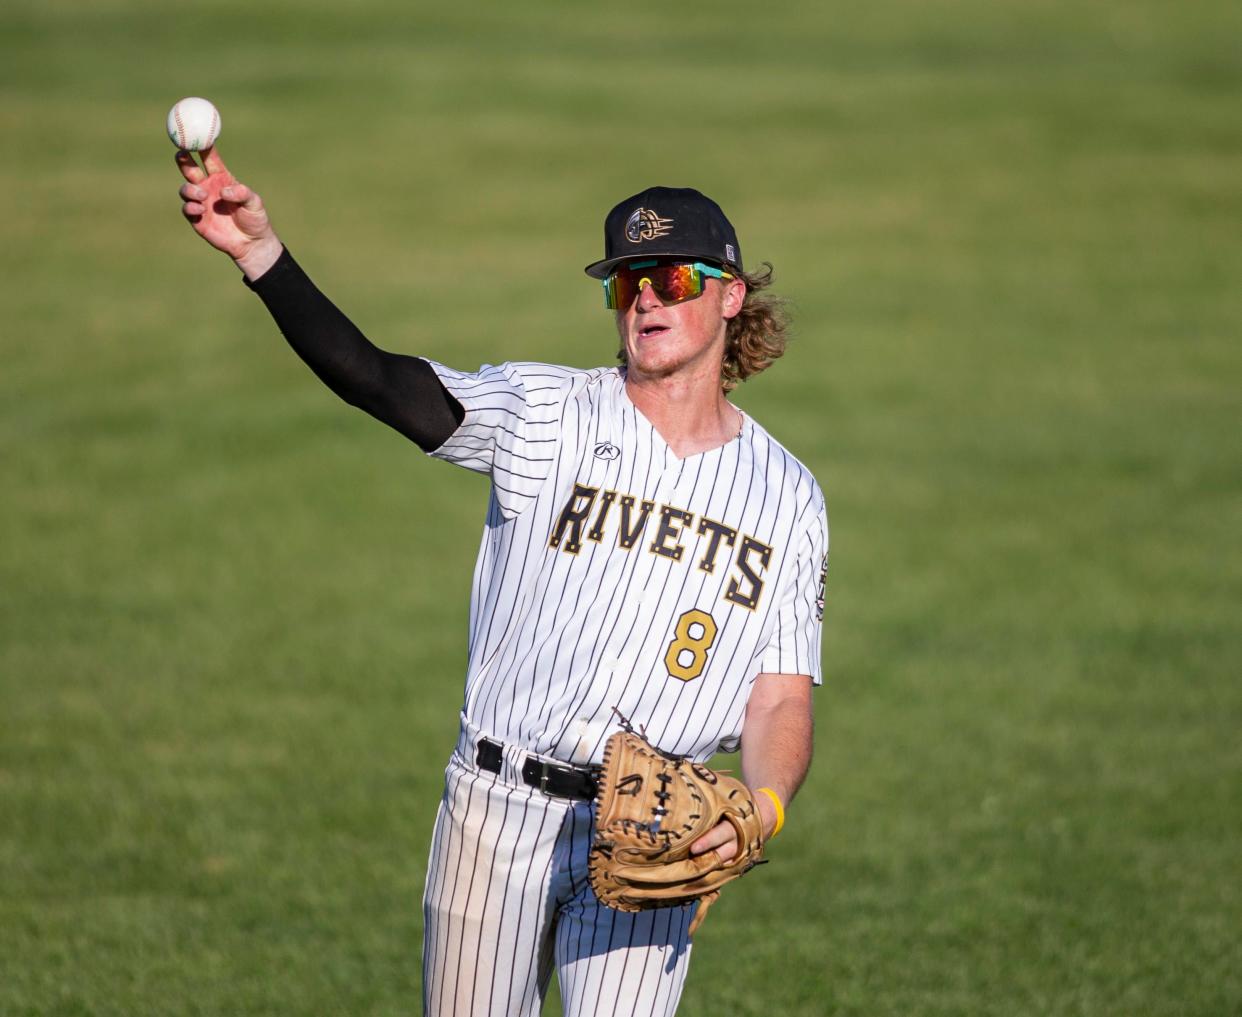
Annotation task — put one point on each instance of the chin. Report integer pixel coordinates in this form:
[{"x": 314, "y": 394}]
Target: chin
[{"x": 653, "y": 367}]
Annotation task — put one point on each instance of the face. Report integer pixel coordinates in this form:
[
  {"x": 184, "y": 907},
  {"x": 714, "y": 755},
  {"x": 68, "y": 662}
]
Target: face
[{"x": 662, "y": 339}]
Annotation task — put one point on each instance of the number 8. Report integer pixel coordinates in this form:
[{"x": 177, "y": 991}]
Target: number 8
[{"x": 687, "y": 653}]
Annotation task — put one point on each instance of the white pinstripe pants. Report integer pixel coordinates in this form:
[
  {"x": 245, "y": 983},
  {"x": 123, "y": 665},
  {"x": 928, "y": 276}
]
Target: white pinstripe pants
[{"x": 507, "y": 897}]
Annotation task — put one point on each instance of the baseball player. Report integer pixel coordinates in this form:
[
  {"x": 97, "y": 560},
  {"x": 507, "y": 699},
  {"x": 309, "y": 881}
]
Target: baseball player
[{"x": 650, "y": 552}]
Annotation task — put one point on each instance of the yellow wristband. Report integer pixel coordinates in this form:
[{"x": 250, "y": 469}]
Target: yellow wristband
[{"x": 780, "y": 810}]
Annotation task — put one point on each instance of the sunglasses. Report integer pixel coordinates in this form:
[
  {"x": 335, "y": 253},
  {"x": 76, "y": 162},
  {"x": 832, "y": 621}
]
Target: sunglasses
[{"x": 672, "y": 283}]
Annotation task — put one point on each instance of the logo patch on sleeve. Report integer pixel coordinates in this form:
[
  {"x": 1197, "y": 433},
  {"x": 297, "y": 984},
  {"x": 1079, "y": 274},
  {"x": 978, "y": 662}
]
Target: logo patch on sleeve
[{"x": 823, "y": 588}]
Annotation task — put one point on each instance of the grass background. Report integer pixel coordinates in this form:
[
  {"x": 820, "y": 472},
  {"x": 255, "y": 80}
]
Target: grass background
[{"x": 232, "y": 610}]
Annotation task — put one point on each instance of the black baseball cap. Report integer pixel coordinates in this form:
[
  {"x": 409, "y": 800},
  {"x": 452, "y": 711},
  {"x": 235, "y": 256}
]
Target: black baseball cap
[{"x": 664, "y": 221}]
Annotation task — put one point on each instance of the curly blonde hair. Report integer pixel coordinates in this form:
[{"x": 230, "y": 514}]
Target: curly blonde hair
[{"x": 756, "y": 336}]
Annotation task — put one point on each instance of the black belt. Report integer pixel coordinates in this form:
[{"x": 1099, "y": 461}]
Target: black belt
[{"x": 557, "y": 779}]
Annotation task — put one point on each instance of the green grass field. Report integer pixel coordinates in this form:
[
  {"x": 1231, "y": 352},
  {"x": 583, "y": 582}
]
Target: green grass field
[{"x": 232, "y": 610}]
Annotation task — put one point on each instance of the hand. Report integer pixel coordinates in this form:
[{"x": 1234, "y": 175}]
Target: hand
[
  {"x": 722, "y": 838},
  {"x": 227, "y": 214}
]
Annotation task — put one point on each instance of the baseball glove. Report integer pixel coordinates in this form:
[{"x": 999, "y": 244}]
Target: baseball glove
[{"x": 650, "y": 807}]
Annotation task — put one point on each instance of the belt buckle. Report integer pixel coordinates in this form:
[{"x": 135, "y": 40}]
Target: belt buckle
[{"x": 546, "y": 770}]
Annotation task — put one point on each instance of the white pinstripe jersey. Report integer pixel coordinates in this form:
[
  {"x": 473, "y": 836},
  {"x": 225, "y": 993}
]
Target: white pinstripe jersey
[{"x": 612, "y": 573}]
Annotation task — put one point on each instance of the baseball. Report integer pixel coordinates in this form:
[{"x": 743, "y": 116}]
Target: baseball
[{"x": 193, "y": 124}]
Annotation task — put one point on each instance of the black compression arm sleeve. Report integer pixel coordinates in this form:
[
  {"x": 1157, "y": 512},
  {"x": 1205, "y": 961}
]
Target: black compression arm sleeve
[{"x": 402, "y": 391}]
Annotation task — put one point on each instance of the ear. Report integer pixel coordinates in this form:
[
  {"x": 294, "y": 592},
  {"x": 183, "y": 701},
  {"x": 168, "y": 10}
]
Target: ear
[{"x": 733, "y": 298}]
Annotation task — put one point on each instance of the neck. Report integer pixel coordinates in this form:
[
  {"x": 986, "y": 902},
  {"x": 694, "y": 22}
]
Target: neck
[{"x": 691, "y": 414}]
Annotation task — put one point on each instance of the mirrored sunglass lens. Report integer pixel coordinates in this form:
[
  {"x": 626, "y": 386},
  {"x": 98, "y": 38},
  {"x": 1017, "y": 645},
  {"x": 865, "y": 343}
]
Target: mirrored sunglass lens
[
  {"x": 624, "y": 288},
  {"x": 677, "y": 283}
]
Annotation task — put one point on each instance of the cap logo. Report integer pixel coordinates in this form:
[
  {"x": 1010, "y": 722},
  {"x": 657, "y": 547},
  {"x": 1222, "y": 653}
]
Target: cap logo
[
  {"x": 730, "y": 254},
  {"x": 644, "y": 224}
]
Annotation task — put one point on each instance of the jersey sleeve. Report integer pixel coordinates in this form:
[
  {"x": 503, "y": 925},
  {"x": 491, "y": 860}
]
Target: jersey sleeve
[
  {"x": 796, "y": 639},
  {"x": 510, "y": 429}
]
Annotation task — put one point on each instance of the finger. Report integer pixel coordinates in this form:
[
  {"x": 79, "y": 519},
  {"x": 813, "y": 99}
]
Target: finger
[
  {"x": 723, "y": 851},
  {"x": 192, "y": 192},
  {"x": 212, "y": 161},
  {"x": 717, "y": 837},
  {"x": 191, "y": 170},
  {"x": 193, "y": 211},
  {"x": 240, "y": 194}
]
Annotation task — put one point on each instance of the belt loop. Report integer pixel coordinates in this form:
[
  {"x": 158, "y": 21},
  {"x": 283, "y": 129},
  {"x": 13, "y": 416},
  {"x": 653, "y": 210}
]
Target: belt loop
[{"x": 511, "y": 765}]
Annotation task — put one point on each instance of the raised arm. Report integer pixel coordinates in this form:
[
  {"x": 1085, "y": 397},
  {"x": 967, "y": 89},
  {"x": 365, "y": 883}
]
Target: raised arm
[{"x": 399, "y": 390}]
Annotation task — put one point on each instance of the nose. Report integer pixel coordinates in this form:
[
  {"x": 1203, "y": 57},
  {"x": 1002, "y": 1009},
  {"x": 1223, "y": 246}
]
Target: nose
[{"x": 647, "y": 299}]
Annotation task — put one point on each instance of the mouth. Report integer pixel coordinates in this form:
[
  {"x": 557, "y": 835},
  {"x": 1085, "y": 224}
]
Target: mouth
[{"x": 648, "y": 331}]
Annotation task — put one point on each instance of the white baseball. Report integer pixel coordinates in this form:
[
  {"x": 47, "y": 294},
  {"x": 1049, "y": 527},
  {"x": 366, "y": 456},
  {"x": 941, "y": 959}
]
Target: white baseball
[{"x": 193, "y": 124}]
